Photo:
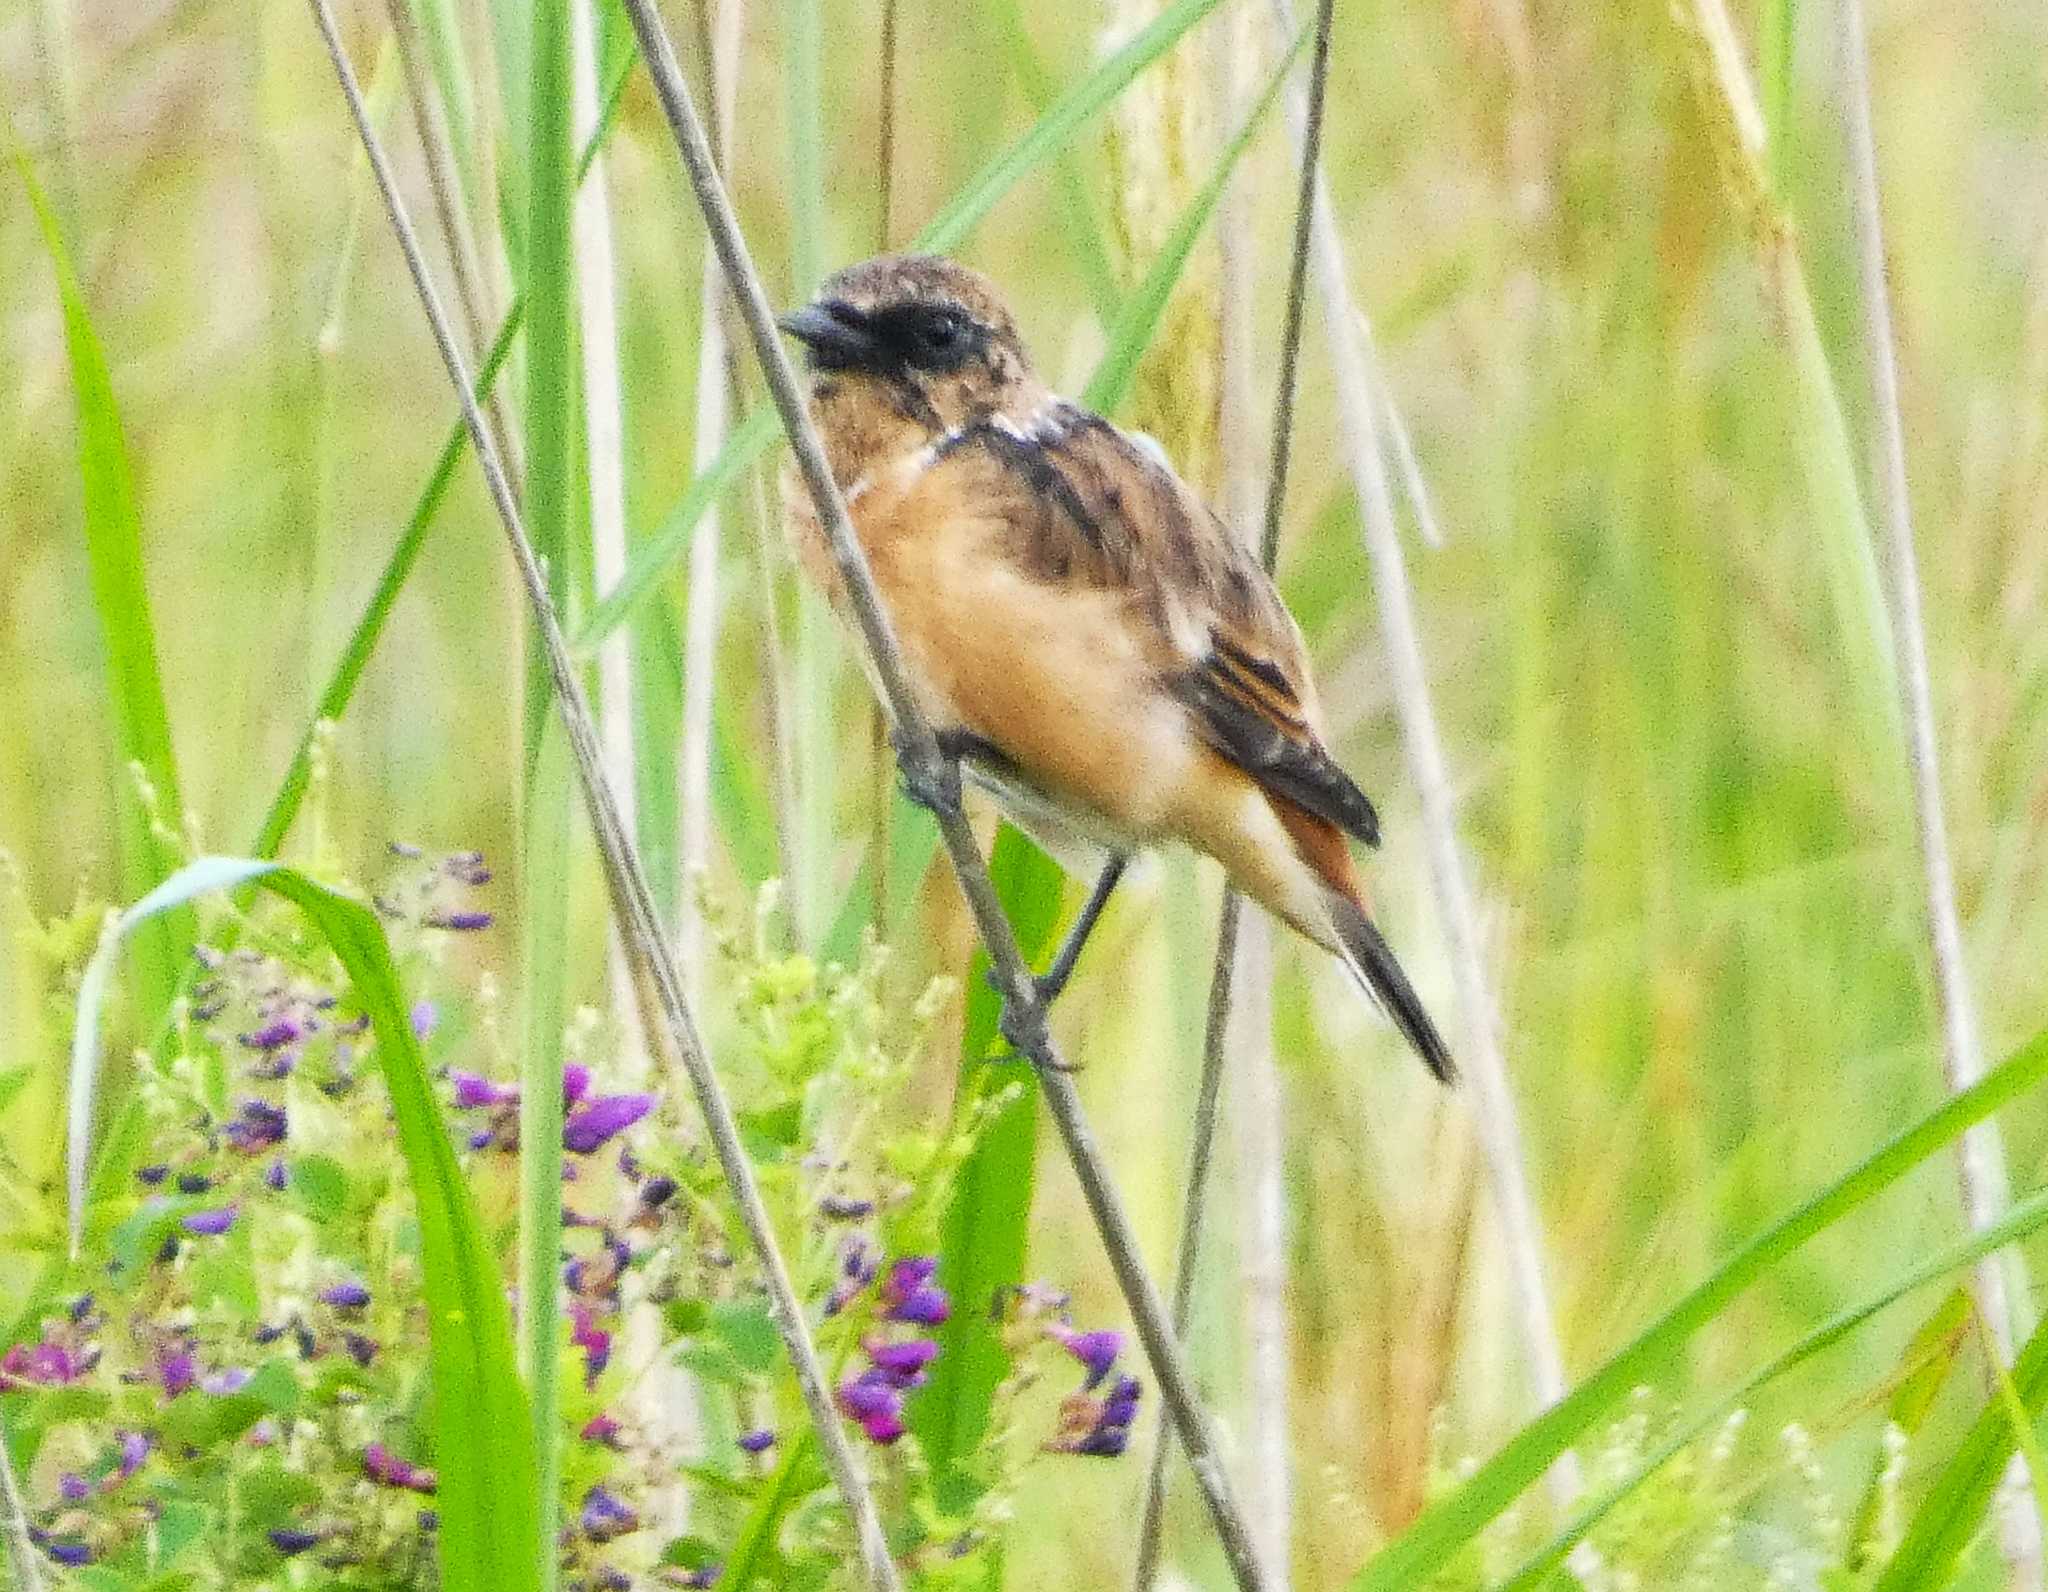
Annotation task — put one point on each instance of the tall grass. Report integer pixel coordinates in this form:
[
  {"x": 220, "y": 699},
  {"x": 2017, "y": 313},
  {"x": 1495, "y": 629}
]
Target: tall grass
[{"x": 1671, "y": 725}]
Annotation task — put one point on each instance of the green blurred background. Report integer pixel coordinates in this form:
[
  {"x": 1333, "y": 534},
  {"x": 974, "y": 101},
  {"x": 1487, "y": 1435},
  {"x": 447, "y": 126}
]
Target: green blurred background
[{"x": 1690, "y": 838}]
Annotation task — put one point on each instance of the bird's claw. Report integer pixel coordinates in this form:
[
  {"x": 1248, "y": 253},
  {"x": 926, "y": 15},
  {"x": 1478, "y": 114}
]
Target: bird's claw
[
  {"x": 932, "y": 780},
  {"x": 1023, "y": 1027}
]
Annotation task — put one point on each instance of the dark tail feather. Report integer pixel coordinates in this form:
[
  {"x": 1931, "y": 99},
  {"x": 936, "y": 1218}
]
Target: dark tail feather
[{"x": 1371, "y": 961}]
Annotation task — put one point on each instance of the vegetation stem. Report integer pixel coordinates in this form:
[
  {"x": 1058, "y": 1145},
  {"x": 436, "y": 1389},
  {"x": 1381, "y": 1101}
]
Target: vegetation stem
[
  {"x": 926, "y": 768},
  {"x": 628, "y": 882}
]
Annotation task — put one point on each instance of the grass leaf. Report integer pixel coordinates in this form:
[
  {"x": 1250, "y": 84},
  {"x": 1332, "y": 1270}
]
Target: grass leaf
[
  {"x": 1138, "y": 321},
  {"x": 2021, "y": 1220},
  {"x": 982, "y": 1241},
  {"x": 484, "y": 1442},
  {"x": 553, "y": 435},
  {"x": 120, "y": 595},
  {"x": 1949, "y": 1516},
  {"x": 369, "y": 627},
  {"x": 1460, "y": 1516}
]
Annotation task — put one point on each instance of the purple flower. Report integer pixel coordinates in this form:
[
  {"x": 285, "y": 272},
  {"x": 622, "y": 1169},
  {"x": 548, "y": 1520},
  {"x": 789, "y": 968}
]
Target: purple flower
[
  {"x": 757, "y": 1441},
  {"x": 1103, "y": 1442},
  {"x": 605, "y": 1515},
  {"x": 575, "y": 1082},
  {"x": 590, "y": 1126},
  {"x": 1095, "y": 1350},
  {"x": 876, "y": 1401},
  {"x": 902, "y": 1363},
  {"x": 856, "y": 1271},
  {"x": 657, "y": 1193},
  {"x": 1099, "y": 1427},
  {"x": 194, "y": 1182},
  {"x": 388, "y": 1470},
  {"x": 229, "y": 1379},
  {"x": 601, "y": 1428},
  {"x": 869, "y": 1394},
  {"x": 425, "y": 1016},
  {"x": 460, "y": 922},
  {"x": 926, "y": 1306},
  {"x": 288, "y": 1541},
  {"x": 133, "y": 1450},
  {"x": 72, "y": 1555},
  {"x": 152, "y": 1175},
  {"x": 178, "y": 1371},
  {"x": 45, "y": 1363},
  {"x": 73, "y": 1488},
  {"x": 257, "y": 1126},
  {"x": 274, "y": 1177},
  {"x": 275, "y": 1034},
  {"x": 361, "y": 1349},
  {"x": 708, "y": 1576},
  {"x": 842, "y": 1208},
  {"x": 913, "y": 1271},
  {"x": 473, "y": 1091},
  {"x": 909, "y": 1294},
  {"x": 593, "y": 1340},
  {"x": 210, "y": 1224},
  {"x": 350, "y": 1295},
  {"x": 1121, "y": 1407}
]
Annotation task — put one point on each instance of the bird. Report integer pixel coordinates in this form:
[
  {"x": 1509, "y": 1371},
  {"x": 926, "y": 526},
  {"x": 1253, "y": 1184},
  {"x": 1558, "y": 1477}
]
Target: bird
[{"x": 1086, "y": 637}]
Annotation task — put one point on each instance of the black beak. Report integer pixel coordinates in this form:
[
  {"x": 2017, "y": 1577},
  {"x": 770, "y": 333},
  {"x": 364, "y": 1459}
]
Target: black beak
[{"x": 837, "y": 335}]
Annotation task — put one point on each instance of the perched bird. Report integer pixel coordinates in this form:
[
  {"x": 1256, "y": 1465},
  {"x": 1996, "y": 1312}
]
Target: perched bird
[{"x": 1081, "y": 630}]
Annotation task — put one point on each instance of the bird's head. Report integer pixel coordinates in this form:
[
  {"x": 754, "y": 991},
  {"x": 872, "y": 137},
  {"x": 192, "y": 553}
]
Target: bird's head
[{"x": 909, "y": 342}]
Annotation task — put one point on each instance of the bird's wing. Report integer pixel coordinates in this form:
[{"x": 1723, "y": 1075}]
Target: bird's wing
[{"x": 1094, "y": 505}]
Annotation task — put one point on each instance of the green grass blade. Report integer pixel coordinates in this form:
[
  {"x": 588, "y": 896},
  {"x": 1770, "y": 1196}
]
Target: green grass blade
[
  {"x": 2024, "y": 1218},
  {"x": 1085, "y": 231},
  {"x": 1138, "y": 320},
  {"x": 553, "y": 435},
  {"x": 1457, "y": 1518},
  {"x": 1049, "y": 135},
  {"x": 2018, "y": 1422},
  {"x": 484, "y": 1442},
  {"x": 120, "y": 594},
  {"x": 1949, "y": 1517},
  {"x": 947, "y": 230},
  {"x": 369, "y": 628},
  {"x": 982, "y": 1241}
]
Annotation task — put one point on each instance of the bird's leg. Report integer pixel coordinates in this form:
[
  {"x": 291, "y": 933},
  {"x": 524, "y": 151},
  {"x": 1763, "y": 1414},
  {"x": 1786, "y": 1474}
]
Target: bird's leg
[
  {"x": 1054, "y": 979},
  {"x": 1025, "y": 1032}
]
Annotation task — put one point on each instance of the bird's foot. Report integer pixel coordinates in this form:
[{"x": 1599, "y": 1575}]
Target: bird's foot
[
  {"x": 931, "y": 774},
  {"x": 1023, "y": 1026}
]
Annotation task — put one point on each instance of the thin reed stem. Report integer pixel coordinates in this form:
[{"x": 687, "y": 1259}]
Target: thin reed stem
[
  {"x": 597, "y": 313},
  {"x": 452, "y": 214},
  {"x": 630, "y": 894},
  {"x": 1270, "y": 1445},
  {"x": 2001, "y": 1280},
  {"x": 23, "y": 1557},
  {"x": 1485, "y": 1067},
  {"x": 927, "y": 770},
  {"x": 723, "y": 25}
]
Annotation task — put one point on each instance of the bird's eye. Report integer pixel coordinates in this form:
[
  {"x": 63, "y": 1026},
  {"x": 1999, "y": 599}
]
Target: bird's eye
[{"x": 941, "y": 334}]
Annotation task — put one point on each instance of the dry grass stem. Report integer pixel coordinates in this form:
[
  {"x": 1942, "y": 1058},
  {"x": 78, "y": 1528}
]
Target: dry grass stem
[
  {"x": 2001, "y": 1281},
  {"x": 25, "y": 1560},
  {"x": 927, "y": 770},
  {"x": 701, "y": 610},
  {"x": 1492, "y": 1101},
  {"x": 631, "y": 897}
]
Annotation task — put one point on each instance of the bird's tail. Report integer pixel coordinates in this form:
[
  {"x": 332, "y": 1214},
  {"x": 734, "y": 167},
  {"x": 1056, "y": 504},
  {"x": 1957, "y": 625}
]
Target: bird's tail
[{"x": 1370, "y": 959}]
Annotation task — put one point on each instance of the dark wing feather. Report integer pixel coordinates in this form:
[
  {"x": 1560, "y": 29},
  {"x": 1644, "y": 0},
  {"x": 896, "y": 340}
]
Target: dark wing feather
[
  {"x": 1105, "y": 510},
  {"x": 1258, "y": 726}
]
